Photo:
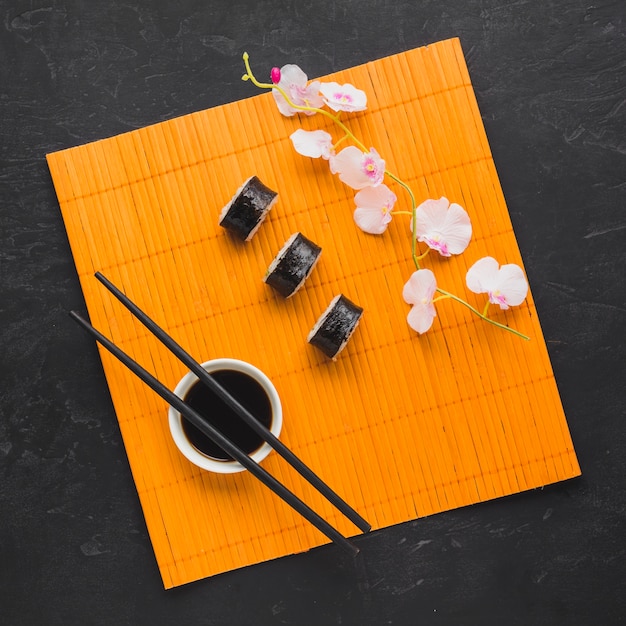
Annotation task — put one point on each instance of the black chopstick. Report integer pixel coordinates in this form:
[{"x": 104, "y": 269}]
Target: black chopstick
[
  {"x": 236, "y": 406},
  {"x": 223, "y": 442}
]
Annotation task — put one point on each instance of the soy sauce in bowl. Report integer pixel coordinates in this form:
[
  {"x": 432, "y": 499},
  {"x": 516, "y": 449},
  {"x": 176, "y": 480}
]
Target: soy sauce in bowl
[{"x": 248, "y": 392}]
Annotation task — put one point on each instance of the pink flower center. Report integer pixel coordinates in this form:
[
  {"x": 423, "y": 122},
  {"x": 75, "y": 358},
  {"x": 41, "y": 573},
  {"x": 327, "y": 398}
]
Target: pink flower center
[
  {"x": 370, "y": 167},
  {"x": 342, "y": 97},
  {"x": 495, "y": 297},
  {"x": 436, "y": 244}
]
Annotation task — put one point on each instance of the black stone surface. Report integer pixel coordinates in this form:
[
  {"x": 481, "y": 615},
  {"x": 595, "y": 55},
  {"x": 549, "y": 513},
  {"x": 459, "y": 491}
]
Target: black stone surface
[{"x": 550, "y": 81}]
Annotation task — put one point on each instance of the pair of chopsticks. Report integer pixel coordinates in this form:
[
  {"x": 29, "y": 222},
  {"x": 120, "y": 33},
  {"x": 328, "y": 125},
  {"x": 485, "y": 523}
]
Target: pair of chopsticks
[{"x": 215, "y": 435}]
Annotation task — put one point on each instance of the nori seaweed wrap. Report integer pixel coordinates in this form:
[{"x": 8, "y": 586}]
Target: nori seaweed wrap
[
  {"x": 292, "y": 265},
  {"x": 243, "y": 215},
  {"x": 335, "y": 326}
]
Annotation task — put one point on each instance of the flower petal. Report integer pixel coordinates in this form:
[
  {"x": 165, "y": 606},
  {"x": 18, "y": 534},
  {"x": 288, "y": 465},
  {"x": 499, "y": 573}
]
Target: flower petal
[
  {"x": 482, "y": 277},
  {"x": 373, "y": 212},
  {"x": 312, "y": 143},
  {"x": 371, "y": 221},
  {"x": 420, "y": 317},
  {"x": 430, "y": 215},
  {"x": 443, "y": 226},
  {"x": 343, "y": 97},
  {"x": 309, "y": 96},
  {"x": 457, "y": 229},
  {"x": 292, "y": 75},
  {"x": 420, "y": 288},
  {"x": 419, "y": 291},
  {"x": 358, "y": 169},
  {"x": 282, "y": 105},
  {"x": 512, "y": 284}
]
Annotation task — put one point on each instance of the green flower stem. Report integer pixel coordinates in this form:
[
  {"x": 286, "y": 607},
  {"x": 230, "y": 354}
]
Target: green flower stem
[
  {"x": 481, "y": 315},
  {"x": 416, "y": 258},
  {"x": 340, "y": 141},
  {"x": 439, "y": 298}
]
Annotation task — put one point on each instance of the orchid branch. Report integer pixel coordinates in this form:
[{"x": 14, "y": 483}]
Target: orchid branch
[{"x": 443, "y": 226}]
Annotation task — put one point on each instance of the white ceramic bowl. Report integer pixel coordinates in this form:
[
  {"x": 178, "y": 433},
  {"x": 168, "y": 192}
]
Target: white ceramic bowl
[{"x": 189, "y": 450}]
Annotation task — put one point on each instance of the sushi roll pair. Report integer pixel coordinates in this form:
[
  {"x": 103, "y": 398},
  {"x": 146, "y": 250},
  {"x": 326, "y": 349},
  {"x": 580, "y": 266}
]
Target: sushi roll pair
[
  {"x": 243, "y": 216},
  {"x": 287, "y": 273}
]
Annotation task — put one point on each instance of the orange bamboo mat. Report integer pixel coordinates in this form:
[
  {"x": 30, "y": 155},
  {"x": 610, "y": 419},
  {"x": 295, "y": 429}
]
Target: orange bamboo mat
[{"x": 402, "y": 426}]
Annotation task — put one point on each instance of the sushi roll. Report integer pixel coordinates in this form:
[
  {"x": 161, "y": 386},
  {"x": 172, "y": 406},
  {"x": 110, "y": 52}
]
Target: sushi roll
[
  {"x": 246, "y": 211},
  {"x": 292, "y": 265},
  {"x": 335, "y": 326}
]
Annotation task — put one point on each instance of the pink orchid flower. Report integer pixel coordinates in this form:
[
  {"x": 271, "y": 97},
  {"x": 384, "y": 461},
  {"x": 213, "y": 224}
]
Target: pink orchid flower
[
  {"x": 294, "y": 82},
  {"x": 506, "y": 285},
  {"x": 373, "y": 209},
  {"x": 312, "y": 143},
  {"x": 443, "y": 226},
  {"x": 343, "y": 97},
  {"x": 419, "y": 291},
  {"x": 358, "y": 169}
]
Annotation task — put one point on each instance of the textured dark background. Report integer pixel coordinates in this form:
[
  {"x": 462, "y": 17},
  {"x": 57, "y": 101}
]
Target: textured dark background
[{"x": 550, "y": 80}]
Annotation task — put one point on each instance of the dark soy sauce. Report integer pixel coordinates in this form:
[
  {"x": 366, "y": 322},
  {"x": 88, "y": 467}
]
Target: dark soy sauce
[{"x": 248, "y": 392}]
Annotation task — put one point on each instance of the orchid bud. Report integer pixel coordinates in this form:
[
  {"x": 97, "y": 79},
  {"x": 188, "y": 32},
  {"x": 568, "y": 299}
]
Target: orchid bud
[{"x": 275, "y": 75}]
